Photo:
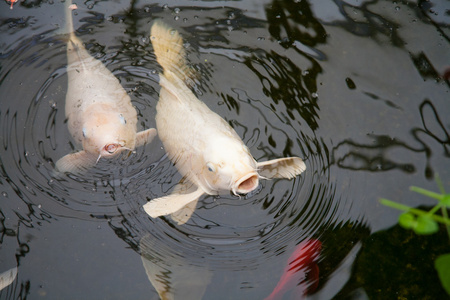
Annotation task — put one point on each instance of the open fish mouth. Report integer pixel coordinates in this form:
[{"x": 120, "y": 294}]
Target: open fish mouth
[{"x": 246, "y": 183}]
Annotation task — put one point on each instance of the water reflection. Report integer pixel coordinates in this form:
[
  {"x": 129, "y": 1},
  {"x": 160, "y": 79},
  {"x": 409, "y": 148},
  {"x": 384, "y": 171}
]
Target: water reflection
[
  {"x": 170, "y": 253},
  {"x": 292, "y": 80},
  {"x": 228, "y": 239},
  {"x": 408, "y": 258},
  {"x": 374, "y": 156},
  {"x": 174, "y": 277},
  {"x": 12, "y": 286},
  {"x": 269, "y": 81},
  {"x": 293, "y": 22},
  {"x": 425, "y": 67}
]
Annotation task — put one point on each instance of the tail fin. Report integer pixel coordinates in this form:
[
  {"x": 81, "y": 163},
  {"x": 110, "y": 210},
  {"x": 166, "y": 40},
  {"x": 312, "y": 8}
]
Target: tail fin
[
  {"x": 76, "y": 53},
  {"x": 168, "y": 46}
]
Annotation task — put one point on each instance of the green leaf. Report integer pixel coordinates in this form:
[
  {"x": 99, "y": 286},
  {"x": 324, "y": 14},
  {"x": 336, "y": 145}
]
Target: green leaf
[
  {"x": 427, "y": 193},
  {"x": 442, "y": 265},
  {"x": 426, "y": 225},
  {"x": 446, "y": 200},
  {"x": 407, "y": 220}
]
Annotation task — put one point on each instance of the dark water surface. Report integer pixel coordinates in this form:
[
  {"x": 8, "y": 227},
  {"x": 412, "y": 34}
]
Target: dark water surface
[{"x": 353, "y": 87}]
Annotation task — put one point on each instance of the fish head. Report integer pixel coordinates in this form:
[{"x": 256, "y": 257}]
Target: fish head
[
  {"x": 228, "y": 165},
  {"x": 107, "y": 134}
]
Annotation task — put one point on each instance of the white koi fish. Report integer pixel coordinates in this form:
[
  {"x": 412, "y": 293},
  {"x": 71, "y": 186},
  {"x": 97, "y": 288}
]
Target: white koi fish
[
  {"x": 99, "y": 112},
  {"x": 204, "y": 147}
]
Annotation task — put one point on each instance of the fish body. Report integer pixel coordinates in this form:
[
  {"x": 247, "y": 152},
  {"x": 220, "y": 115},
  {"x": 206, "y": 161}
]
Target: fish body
[
  {"x": 301, "y": 272},
  {"x": 203, "y": 146},
  {"x": 99, "y": 112},
  {"x": 205, "y": 149}
]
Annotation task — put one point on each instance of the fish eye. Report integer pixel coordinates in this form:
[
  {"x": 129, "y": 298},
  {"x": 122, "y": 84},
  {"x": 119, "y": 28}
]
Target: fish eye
[
  {"x": 211, "y": 167},
  {"x": 111, "y": 148}
]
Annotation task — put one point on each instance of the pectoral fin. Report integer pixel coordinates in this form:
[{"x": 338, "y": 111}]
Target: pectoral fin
[
  {"x": 171, "y": 204},
  {"x": 76, "y": 162},
  {"x": 288, "y": 167},
  {"x": 184, "y": 214},
  {"x": 145, "y": 137}
]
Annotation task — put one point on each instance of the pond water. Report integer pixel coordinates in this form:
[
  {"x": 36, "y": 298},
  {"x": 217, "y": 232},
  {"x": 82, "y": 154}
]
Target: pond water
[{"x": 355, "y": 88}]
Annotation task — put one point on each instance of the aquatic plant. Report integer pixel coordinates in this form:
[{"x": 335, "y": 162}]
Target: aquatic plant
[{"x": 427, "y": 222}]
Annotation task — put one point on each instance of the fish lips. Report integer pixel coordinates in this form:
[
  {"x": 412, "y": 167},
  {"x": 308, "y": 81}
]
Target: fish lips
[{"x": 246, "y": 183}]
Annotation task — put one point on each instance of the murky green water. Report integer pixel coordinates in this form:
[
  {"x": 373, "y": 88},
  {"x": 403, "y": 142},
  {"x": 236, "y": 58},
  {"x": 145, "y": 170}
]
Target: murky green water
[{"x": 355, "y": 88}]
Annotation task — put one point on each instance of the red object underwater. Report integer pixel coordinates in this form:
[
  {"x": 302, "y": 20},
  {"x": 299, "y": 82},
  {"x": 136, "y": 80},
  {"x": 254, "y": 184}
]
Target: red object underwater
[
  {"x": 301, "y": 275},
  {"x": 11, "y": 2}
]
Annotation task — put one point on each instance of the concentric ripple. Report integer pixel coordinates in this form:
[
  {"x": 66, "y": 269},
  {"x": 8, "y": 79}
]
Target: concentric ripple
[
  {"x": 270, "y": 101},
  {"x": 35, "y": 136},
  {"x": 240, "y": 234}
]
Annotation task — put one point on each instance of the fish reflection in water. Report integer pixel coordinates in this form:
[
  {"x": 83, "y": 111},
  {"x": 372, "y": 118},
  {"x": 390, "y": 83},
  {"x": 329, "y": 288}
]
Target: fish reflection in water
[
  {"x": 99, "y": 112},
  {"x": 204, "y": 147},
  {"x": 7, "y": 277},
  {"x": 300, "y": 271},
  {"x": 173, "y": 278}
]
